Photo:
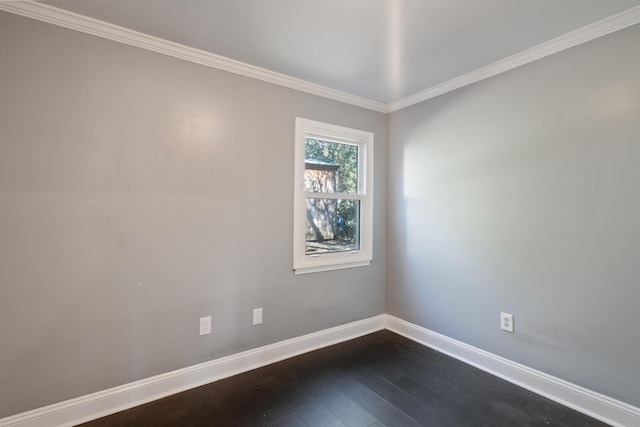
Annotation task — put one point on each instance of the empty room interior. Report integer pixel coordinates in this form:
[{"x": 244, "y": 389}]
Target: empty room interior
[{"x": 314, "y": 197}]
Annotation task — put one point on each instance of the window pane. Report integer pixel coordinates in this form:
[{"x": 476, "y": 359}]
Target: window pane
[
  {"x": 333, "y": 225},
  {"x": 330, "y": 167}
]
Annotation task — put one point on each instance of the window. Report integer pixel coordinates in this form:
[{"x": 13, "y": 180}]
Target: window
[{"x": 333, "y": 199}]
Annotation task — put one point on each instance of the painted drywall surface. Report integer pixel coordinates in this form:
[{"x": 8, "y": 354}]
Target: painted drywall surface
[
  {"x": 521, "y": 194},
  {"x": 138, "y": 193}
]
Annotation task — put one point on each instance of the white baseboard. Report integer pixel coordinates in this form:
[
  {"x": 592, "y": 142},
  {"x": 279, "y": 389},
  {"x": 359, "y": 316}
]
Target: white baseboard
[
  {"x": 596, "y": 405},
  {"x": 96, "y": 405}
]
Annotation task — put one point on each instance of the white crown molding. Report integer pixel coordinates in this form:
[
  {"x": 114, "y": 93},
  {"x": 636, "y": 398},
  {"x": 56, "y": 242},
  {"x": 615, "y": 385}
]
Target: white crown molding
[
  {"x": 74, "y": 21},
  {"x": 63, "y": 18},
  {"x": 582, "y": 35},
  {"x": 596, "y": 405},
  {"x": 102, "y": 403}
]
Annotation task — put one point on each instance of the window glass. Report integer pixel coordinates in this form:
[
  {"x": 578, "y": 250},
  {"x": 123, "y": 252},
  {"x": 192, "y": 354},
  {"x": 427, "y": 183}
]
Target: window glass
[{"x": 332, "y": 226}]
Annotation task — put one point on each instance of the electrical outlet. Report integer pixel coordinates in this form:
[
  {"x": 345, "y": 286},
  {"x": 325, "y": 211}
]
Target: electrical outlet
[
  {"x": 205, "y": 325},
  {"x": 506, "y": 322},
  {"x": 257, "y": 316}
]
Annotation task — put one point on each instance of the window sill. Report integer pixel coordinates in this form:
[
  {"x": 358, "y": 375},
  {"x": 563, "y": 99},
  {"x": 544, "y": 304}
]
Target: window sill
[{"x": 320, "y": 268}]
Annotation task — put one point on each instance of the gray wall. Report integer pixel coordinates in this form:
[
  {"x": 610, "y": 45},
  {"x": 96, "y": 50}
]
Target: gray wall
[
  {"x": 522, "y": 194},
  {"x": 138, "y": 193}
]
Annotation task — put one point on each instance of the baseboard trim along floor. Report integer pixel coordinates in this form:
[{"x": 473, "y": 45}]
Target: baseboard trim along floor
[
  {"x": 119, "y": 398},
  {"x": 106, "y": 402},
  {"x": 596, "y": 405}
]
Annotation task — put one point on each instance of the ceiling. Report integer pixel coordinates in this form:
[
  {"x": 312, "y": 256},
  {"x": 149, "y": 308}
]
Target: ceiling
[{"x": 381, "y": 50}]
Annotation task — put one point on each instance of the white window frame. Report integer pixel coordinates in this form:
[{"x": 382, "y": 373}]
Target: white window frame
[{"x": 303, "y": 263}]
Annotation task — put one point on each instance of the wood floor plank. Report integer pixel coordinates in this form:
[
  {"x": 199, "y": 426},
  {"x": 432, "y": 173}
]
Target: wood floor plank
[
  {"x": 362, "y": 369},
  {"x": 345, "y": 409},
  {"x": 292, "y": 420},
  {"x": 489, "y": 398},
  {"x": 457, "y": 414}
]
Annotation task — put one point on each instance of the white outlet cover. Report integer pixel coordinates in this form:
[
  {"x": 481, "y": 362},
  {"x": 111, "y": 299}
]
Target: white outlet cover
[
  {"x": 506, "y": 322},
  {"x": 257, "y": 316},
  {"x": 205, "y": 325}
]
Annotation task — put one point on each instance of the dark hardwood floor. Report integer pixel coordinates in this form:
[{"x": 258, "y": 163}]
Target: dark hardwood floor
[{"x": 381, "y": 379}]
